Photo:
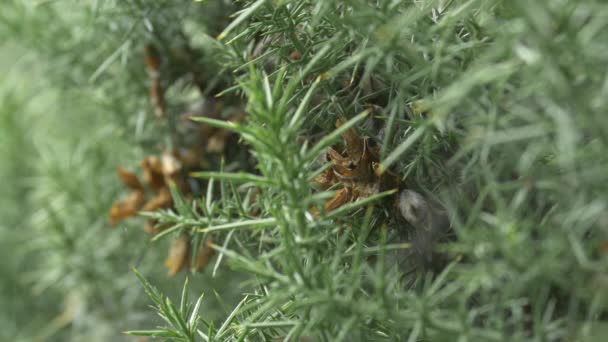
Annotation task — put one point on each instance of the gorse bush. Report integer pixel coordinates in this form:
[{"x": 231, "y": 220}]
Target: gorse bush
[{"x": 325, "y": 170}]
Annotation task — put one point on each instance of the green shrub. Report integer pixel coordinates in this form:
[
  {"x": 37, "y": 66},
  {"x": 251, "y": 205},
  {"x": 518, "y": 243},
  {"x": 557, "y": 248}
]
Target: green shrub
[{"x": 495, "y": 109}]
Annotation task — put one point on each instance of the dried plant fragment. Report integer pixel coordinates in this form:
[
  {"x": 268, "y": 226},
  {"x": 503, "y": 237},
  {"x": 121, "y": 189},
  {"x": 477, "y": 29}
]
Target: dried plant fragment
[
  {"x": 204, "y": 255},
  {"x": 216, "y": 142},
  {"x": 178, "y": 255},
  {"x": 355, "y": 168},
  {"x": 162, "y": 200},
  {"x": 126, "y": 208},
  {"x": 129, "y": 179},
  {"x": 325, "y": 180},
  {"x": 170, "y": 164},
  {"x": 295, "y": 55},
  {"x": 352, "y": 142},
  {"x": 341, "y": 197},
  {"x": 157, "y": 95},
  {"x": 153, "y": 172}
]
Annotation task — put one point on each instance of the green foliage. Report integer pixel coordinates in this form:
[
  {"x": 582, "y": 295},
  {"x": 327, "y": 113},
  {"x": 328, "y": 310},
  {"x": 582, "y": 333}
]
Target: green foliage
[{"x": 494, "y": 108}]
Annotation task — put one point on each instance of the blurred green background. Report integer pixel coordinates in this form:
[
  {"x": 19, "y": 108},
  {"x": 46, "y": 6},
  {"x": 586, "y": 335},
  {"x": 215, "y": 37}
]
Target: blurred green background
[
  {"x": 74, "y": 106},
  {"x": 65, "y": 275}
]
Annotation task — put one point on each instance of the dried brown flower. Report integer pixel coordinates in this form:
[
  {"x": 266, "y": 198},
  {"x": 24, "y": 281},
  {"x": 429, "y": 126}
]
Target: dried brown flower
[{"x": 353, "y": 165}]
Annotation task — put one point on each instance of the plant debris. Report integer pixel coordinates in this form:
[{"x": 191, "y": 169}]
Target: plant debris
[
  {"x": 158, "y": 174},
  {"x": 355, "y": 170},
  {"x": 157, "y": 93},
  {"x": 354, "y": 167},
  {"x": 180, "y": 255}
]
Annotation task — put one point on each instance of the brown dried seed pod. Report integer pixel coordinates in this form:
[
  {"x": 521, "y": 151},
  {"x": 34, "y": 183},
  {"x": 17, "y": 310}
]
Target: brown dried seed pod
[
  {"x": 352, "y": 142},
  {"x": 324, "y": 180},
  {"x": 157, "y": 94},
  {"x": 338, "y": 159},
  {"x": 126, "y": 208},
  {"x": 129, "y": 179},
  {"x": 342, "y": 197},
  {"x": 152, "y": 58},
  {"x": 178, "y": 255},
  {"x": 157, "y": 97},
  {"x": 153, "y": 172},
  {"x": 162, "y": 200},
  {"x": 204, "y": 255}
]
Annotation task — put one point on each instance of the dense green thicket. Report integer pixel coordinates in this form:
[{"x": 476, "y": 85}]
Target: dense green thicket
[{"x": 494, "y": 108}]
